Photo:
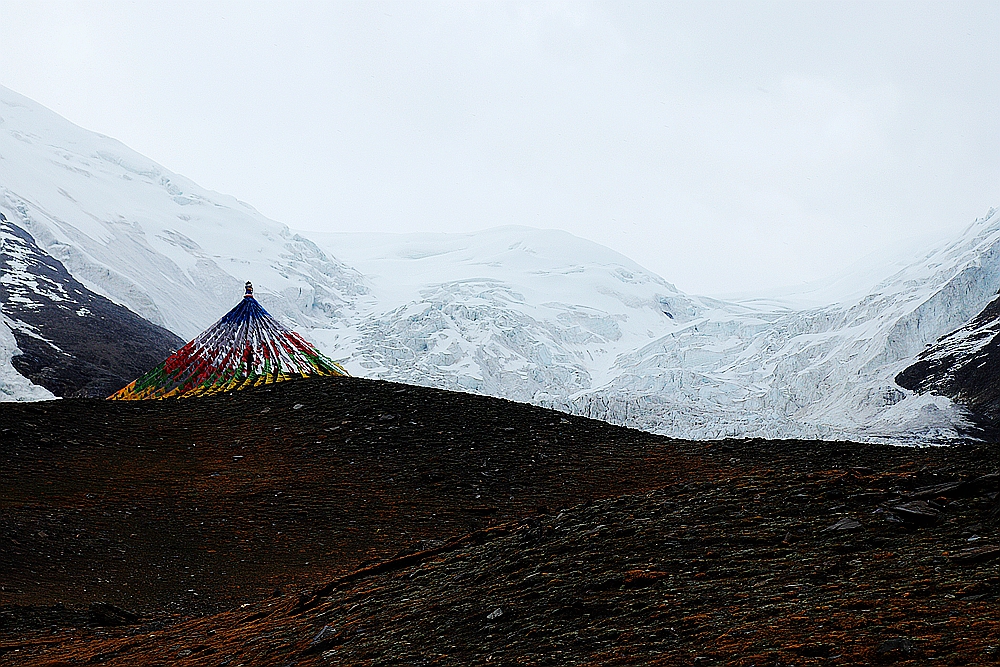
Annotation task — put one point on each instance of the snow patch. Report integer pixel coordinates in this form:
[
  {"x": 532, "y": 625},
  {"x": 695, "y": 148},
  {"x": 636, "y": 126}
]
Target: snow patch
[{"x": 13, "y": 385}]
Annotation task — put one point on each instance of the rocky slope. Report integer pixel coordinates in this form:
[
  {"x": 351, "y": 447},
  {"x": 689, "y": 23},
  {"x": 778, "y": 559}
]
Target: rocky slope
[
  {"x": 964, "y": 365},
  {"x": 348, "y": 522},
  {"x": 196, "y": 506},
  {"x": 72, "y": 342}
]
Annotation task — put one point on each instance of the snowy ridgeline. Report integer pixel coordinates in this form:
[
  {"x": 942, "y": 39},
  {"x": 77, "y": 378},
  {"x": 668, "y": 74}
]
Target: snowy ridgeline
[
  {"x": 151, "y": 240},
  {"x": 526, "y": 314}
]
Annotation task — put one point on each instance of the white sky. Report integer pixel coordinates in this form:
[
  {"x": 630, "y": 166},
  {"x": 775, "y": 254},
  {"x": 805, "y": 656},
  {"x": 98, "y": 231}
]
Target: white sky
[{"x": 726, "y": 146}]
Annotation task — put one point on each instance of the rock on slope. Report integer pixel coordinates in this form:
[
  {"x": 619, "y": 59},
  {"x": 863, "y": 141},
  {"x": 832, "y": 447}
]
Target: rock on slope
[
  {"x": 964, "y": 365},
  {"x": 72, "y": 342}
]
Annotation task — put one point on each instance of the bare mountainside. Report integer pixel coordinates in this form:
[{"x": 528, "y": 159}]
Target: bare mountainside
[
  {"x": 196, "y": 504},
  {"x": 346, "y": 521}
]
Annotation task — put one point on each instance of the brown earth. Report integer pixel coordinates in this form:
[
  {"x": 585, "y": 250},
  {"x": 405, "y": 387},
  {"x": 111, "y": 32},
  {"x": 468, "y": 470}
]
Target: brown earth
[{"x": 406, "y": 525}]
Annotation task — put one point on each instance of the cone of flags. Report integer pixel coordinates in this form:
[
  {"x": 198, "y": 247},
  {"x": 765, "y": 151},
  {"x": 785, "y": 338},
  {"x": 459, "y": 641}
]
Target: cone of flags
[{"x": 246, "y": 348}]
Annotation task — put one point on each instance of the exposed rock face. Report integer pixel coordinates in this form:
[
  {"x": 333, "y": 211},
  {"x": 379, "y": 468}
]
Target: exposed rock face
[
  {"x": 964, "y": 365},
  {"x": 73, "y": 342}
]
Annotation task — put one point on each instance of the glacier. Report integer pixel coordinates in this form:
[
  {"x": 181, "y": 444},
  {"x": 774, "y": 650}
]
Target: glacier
[
  {"x": 551, "y": 319},
  {"x": 527, "y": 314}
]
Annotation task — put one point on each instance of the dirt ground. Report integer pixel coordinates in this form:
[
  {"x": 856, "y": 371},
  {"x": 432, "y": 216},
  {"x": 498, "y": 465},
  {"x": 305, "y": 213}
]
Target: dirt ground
[{"x": 346, "y": 521}]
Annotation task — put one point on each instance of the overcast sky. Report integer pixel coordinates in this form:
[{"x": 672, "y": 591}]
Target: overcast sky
[{"x": 726, "y": 146}]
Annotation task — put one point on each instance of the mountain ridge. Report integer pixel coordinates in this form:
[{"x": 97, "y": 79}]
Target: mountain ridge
[{"x": 147, "y": 238}]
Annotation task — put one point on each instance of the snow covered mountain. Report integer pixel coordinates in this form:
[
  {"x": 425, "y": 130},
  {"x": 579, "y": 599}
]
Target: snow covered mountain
[
  {"x": 526, "y": 314},
  {"x": 545, "y": 317},
  {"x": 822, "y": 372},
  {"x": 151, "y": 240},
  {"x": 515, "y": 312}
]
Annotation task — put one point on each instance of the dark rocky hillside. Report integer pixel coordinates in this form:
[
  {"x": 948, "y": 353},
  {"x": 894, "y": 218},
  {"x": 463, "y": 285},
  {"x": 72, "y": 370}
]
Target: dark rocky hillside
[
  {"x": 74, "y": 342},
  {"x": 354, "y": 522},
  {"x": 965, "y": 366},
  {"x": 196, "y": 505}
]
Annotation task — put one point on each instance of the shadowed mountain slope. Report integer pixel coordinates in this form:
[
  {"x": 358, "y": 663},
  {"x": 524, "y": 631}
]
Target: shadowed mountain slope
[
  {"x": 964, "y": 365},
  {"x": 73, "y": 342}
]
